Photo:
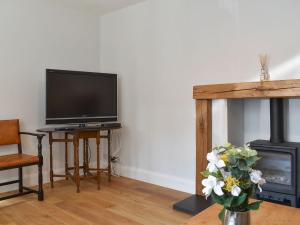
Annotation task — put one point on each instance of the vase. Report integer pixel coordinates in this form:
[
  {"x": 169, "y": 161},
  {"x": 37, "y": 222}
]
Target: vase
[{"x": 236, "y": 218}]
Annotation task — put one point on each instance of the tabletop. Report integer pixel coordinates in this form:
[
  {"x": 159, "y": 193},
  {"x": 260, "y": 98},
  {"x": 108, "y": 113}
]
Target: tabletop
[
  {"x": 77, "y": 128},
  {"x": 268, "y": 214}
]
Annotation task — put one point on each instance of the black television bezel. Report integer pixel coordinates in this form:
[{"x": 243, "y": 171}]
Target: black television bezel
[{"x": 81, "y": 120}]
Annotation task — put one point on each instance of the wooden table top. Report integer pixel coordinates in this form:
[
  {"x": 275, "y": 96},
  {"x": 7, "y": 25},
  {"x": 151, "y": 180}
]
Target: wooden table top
[{"x": 268, "y": 214}]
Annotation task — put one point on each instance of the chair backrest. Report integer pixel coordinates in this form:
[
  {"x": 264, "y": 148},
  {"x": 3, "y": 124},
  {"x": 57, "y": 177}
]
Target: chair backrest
[{"x": 9, "y": 132}]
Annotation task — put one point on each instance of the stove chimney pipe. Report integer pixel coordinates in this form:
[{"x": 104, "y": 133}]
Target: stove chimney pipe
[{"x": 277, "y": 120}]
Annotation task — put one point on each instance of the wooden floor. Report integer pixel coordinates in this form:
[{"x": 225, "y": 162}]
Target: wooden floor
[{"x": 123, "y": 201}]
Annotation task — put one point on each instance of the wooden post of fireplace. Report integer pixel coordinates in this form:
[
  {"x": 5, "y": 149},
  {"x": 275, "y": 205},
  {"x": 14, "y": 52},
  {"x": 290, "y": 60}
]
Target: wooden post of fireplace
[
  {"x": 203, "y": 137},
  {"x": 204, "y": 94}
]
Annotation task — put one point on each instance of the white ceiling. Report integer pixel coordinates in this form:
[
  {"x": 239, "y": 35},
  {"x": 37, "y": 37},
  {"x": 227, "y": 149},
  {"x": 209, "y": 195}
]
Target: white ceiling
[{"x": 102, "y": 6}]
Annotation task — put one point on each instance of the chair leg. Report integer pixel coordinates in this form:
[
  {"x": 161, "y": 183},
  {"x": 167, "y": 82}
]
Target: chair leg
[
  {"x": 40, "y": 191},
  {"x": 21, "y": 180}
]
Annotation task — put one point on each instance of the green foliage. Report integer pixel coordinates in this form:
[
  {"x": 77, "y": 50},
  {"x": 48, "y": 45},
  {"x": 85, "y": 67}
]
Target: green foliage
[
  {"x": 206, "y": 173},
  {"x": 222, "y": 214},
  {"x": 238, "y": 201},
  {"x": 248, "y": 152},
  {"x": 228, "y": 201},
  {"x": 251, "y": 161},
  {"x": 217, "y": 199},
  {"x": 242, "y": 165},
  {"x": 228, "y": 145},
  {"x": 254, "y": 205}
]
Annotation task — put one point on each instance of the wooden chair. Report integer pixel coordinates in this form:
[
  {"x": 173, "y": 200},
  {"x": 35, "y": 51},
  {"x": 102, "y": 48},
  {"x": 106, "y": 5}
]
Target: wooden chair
[{"x": 9, "y": 135}]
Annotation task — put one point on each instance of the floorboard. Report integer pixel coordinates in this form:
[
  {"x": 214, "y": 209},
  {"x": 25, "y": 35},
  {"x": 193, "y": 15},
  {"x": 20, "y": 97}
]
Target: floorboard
[{"x": 122, "y": 202}]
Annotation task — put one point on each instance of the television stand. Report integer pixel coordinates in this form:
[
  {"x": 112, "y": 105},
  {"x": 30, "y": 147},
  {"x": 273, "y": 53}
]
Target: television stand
[
  {"x": 88, "y": 127},
  {"x": 64, "y": 128},
  {"x": 72, "y": 134}
]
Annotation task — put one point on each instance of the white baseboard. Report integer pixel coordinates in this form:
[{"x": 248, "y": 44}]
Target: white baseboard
[{"x": 160, "y": 179}]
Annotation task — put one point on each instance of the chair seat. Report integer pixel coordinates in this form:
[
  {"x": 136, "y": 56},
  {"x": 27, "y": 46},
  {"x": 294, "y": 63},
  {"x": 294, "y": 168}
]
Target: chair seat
[{"x": 17, "y": 160}]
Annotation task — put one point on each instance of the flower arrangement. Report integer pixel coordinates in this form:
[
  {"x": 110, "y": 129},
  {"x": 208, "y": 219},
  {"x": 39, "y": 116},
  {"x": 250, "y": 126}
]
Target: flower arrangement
[{"x": 231, "y": 178}]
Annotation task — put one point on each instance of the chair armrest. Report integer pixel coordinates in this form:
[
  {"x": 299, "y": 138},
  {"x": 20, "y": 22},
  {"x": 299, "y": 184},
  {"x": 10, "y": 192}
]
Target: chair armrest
[
  {"x": 39, "y": 137},
  {"x": 33, "y": 134}
]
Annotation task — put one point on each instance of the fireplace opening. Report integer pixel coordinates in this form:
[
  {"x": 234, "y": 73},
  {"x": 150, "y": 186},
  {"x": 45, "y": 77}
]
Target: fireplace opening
[{"x": 278, "y": 161}]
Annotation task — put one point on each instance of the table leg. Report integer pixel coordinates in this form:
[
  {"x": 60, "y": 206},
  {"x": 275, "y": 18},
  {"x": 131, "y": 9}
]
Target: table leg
[
  {"x": 87, "y": 156},
  {"x": 51, "y": 159},
  {"x": 84, "y": 156},
  {"x": 76, "y": 162},
  {"x": 66, "y": 156},
  {"x": 98, "y": 159},
  {"x": 109, "y": 154}
]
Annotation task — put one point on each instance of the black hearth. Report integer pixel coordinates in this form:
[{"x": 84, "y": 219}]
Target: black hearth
[{"x": 279, "y": 162}]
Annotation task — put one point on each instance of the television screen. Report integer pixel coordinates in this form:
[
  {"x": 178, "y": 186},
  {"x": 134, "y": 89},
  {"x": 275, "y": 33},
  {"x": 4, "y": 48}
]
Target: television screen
[{"x": 80, "y": 97}]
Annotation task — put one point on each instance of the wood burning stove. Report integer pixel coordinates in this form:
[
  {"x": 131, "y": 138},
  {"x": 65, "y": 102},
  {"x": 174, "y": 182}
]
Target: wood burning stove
[{"x": 279, "y": 162}]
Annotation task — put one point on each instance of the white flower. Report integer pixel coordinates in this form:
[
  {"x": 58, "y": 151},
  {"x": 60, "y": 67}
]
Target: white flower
[
  {"x": 256, "y": 178},
  {"x": 214, "y": 161},
  {"x": 212, "y": 184},
  {"x": 236, "y": 190}
]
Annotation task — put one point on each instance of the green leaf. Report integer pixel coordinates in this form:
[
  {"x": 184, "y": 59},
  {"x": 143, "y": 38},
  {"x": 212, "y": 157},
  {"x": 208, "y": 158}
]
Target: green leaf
[
  {"x": 232, "y": 160},
  {"x": 222, "y": 214},
  {"x": 235, "y": 172},
  {"x": 227, "y": 201},
  {"x": 246, "y": 185},
  {"x": 248, "y": 152},
  {"x": 251, "y": 161},
  {"x": 237, "y": 201},
  {"x": 205, "y": 173},
  {"x": 243, "y": 165},
  {"x": 228, "y": 145},
  {"x": 217, "y": 199},
  {"x": 254, "y": 205}
]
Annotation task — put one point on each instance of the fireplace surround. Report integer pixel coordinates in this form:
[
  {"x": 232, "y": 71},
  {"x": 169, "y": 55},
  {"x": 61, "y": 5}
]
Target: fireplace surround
[{"x": 204, "y": 95}]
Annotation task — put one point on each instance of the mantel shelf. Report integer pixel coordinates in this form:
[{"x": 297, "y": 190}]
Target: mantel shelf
[{"x": 264, "y": 89}]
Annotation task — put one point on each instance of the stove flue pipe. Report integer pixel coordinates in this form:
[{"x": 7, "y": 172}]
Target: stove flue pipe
[{"x": 276, "y": 120}]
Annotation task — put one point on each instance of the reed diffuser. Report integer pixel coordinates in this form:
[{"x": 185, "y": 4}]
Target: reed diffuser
[{"x": 264, "y": 63}]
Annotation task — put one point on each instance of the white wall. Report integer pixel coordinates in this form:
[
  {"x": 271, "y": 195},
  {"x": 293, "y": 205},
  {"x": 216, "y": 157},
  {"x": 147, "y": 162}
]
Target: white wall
[
  {"x": 161, "y": 49},
  {"x": 35, "y": 35}
]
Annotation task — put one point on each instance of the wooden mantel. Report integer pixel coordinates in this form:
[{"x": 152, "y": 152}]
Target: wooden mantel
[{"x": 204, "y": 94}]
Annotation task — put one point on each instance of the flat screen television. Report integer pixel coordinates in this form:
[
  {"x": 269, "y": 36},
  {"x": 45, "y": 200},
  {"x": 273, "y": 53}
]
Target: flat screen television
[{"x": 80, "y": 97}]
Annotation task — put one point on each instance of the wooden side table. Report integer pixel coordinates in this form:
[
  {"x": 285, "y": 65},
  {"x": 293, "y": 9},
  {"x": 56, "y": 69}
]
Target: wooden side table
[
  {"x": 268, "y": 214},
  {"x": 85, "y": 135},
  {"x": 73, "y": 135}
]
